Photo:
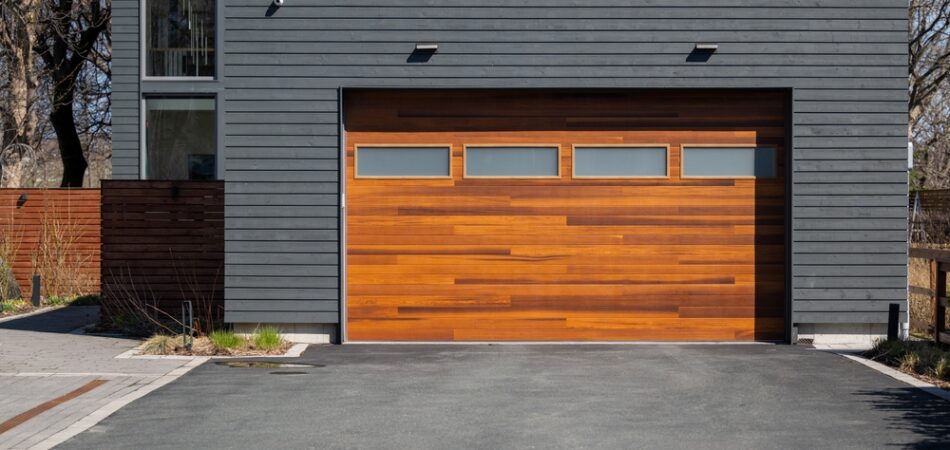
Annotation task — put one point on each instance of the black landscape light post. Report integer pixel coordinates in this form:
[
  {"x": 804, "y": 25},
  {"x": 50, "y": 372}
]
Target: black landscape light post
[{"x": 893, "y": 317}]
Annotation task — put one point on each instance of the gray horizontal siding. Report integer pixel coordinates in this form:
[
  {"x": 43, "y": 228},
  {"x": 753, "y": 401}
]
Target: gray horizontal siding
[
  {"x": 845, "y": 60},
  {"x": 125, "y": 95}
]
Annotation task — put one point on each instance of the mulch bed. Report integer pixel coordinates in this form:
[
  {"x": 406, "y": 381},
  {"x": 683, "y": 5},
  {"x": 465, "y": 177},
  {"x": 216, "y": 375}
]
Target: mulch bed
[
  {"x": 942, "y": 384},
  {"x": 202, "y": 346}
]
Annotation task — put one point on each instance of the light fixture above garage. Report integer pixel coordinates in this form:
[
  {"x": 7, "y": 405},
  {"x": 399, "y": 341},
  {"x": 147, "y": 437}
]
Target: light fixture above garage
[
  {"x": 706, "y": 47},
  {"x": 429, "y": 47}
]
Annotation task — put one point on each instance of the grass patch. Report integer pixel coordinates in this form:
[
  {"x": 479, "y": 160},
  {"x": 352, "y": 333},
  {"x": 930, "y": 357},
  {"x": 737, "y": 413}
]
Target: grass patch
[
  {"x": 222, "y": 339},
  {"x": 268, "y": 338},
  {"x": 14, "y": 306},
  {"x": 78, "y": 300},
  {"x": 55, "y": 300},
  {"x": 161, "y": 344},
  {"x": 914, "y": 357}
]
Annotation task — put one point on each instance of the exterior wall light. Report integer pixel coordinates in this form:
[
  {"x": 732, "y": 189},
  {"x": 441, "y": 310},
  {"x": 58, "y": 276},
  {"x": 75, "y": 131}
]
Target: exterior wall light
[
  {"x": 706, "y": 47},
  {"x": 427, "y": 47}
]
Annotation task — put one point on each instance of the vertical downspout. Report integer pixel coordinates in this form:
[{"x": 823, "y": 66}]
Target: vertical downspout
[{"x": 341, "y": 140}]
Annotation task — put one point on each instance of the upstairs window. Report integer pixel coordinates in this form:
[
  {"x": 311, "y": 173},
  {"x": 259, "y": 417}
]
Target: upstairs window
[{"x": 179, "y": 38}]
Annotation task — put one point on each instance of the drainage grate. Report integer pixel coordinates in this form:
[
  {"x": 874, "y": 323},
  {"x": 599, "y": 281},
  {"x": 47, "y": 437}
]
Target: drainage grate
[
  {"x": 288, "y": 372},
  {"x": 266, "y": 365},
  {"x": 805, "y": 341}
]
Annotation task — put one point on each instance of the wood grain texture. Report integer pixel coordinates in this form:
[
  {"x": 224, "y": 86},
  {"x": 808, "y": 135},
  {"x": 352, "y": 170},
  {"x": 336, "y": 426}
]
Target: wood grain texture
[
  {"x": 73, "y": 212},
  {"x": 565, "y": 258},
  {"x": 163, "y": 242}
]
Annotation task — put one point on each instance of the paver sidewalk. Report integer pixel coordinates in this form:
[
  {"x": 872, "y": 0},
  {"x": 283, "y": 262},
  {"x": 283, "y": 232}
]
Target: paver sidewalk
[{"x": 53, "y": 383}]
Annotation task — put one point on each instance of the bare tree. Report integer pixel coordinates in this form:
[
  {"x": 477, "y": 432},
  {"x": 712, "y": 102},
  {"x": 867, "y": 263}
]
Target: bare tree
[
  {"x": 929, "y": 103},
  {"x": 19, "y": 84},
  {"x": 55, "y": 85},
  {"x": 74, "y": 38}
]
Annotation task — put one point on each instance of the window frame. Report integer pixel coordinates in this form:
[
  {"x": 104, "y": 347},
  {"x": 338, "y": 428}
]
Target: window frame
[
  {"x": 574, "y": 174},
  {"x": 143, "y": 51},
  {"x": 356, "y": 161},
  {"x": 683, "y": 147},
  {"x": 143, "y": 133},
  {"x": 465, "y": 174}
]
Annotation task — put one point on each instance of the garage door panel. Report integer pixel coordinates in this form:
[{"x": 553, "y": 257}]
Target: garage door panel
[{"x": 566, "y": 258}]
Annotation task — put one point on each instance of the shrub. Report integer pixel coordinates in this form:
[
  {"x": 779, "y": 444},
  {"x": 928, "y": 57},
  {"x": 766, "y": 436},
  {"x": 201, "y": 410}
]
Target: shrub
[
  {"x": 222, "y": 339},
  {"x": 942, "y": 368},
  {"x": 57, "y": 257},
  {"x": 920, "y": 357},
  {"x": 267, "y": 338},
  {"x": 888, "y": 352},
  {"x": 910, "y": 362},
  {"x": 86, "y": 300},
  {"x": 162, "y": 344},
  {"x": 55, "y": 300},
  {"x": 11, "y": 238}
]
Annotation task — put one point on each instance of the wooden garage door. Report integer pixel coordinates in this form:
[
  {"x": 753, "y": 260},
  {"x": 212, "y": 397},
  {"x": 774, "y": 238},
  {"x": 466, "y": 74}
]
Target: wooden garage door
[{"x": 566, "y": 257}]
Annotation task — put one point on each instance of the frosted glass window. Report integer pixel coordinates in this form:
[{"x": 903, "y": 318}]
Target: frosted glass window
[
  {"x": 512, "y": 161},
  {"x": 180, "y": 139},
  {"x": 620, "y": 161},
  {"x": 403, "y": 162},
  {"x": 179, "y": 38},
  {"x": 728, "y": 162}
]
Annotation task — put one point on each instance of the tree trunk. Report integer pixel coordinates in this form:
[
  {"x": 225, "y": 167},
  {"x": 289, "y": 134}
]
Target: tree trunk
[
  {"x": 70, "y": 147},
  {"x": 17, "y": 35}
]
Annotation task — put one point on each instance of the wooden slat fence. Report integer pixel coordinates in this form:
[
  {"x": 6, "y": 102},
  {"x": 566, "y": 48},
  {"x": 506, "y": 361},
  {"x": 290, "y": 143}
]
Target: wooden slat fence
[
  {"x": 935, "y": 199},
  {"x": 930, "y": 223},
  {"x": 163, "y": 242},
  {"x": 939, "y": 267},
  {"x": 67, "y": 222}
]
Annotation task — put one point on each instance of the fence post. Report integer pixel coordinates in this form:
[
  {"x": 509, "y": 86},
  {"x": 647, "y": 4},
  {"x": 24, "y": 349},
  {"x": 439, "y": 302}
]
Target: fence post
[
  {"x": 938, "y": 289},
  {"x": 35, "y": 294}
]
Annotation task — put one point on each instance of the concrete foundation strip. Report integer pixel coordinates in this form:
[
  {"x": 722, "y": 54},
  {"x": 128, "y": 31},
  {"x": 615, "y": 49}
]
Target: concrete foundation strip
[{"x": 136, "y": 353}]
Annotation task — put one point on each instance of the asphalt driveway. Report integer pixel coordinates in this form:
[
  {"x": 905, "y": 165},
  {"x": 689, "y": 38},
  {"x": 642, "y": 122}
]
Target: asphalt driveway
[{"x": 534, "y": 396}]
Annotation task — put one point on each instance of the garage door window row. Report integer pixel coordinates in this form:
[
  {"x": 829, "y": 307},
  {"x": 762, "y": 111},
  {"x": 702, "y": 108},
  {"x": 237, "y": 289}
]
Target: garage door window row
[{"x": 543, "y": 161}]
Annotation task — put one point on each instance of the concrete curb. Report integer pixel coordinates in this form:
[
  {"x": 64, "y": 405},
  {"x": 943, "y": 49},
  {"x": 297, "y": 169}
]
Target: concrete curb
[
  {"x": 107, "y": 410},
  {"x": 559, "y": 343},
  {"x": 31, "y": 313},
  {"x": 293, "y": 352},
  {"x": 898, "y": 375}
]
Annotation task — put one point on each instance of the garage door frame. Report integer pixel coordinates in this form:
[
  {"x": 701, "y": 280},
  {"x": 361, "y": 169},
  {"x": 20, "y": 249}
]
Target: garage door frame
[{"x": 789, "y": 93}]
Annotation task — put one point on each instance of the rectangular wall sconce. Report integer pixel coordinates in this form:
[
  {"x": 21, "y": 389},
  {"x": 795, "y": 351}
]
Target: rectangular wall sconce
[
  {"x": 706, "y": 47},
  {"x": 427, "y": 47}
]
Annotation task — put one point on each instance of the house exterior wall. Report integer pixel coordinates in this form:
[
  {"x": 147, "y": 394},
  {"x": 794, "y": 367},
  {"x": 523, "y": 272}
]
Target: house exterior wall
[{"x": 281, "y": 72}]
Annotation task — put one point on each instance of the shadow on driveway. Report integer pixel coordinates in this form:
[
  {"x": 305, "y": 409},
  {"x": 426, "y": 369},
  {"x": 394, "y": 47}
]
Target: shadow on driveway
[
  {"x": 59, "y": 320},
  {"x": 924, "y": 415}
]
